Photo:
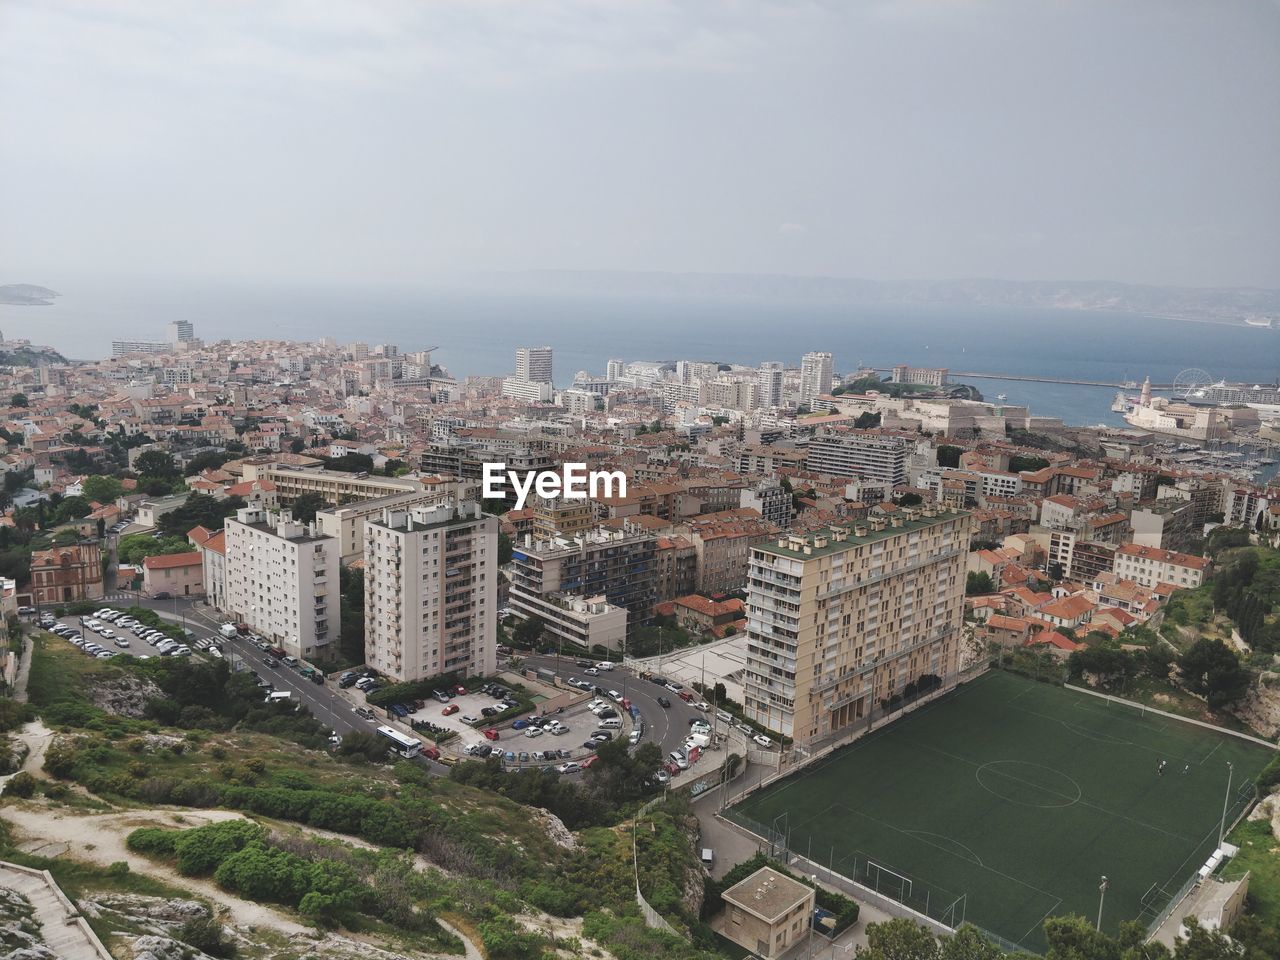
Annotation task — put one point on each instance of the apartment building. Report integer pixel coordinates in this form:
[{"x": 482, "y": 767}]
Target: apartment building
[
  {"x": 816, "y": 373},
  {"x": 841, "y": 619},
  {"x": 860, "y": 453},
  {"x": 335, "y": 486},
  {"x": 617, "y": 566},
  {"x": 430, "y": 591},
  {"x": 534, "y": 364},
  {"x": 1149, "y": 566},
  {"x": 561, "y": 517},
  {"x": 772, "y": 501},
  {"x": 213, "y": 564},
  {"x": 282, "y": 580},
  {"x": 346, "y": 523}
]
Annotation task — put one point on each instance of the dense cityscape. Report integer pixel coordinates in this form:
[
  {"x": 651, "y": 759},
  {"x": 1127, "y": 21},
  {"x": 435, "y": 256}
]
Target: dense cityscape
[
  {"x": 794, "y": 556},
  {"x": 598, "y": 480}
]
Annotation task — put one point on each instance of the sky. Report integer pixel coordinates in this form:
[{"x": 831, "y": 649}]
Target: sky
[{"x": 391, "y": 141}]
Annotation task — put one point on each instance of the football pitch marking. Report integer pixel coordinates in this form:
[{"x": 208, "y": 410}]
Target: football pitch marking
[{"x": 1066, "y": 799}]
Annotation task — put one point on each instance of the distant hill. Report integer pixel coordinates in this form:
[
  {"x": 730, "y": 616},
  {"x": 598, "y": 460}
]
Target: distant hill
[
  {"x": 26, "y": 295},
  {"x": 1221, "y": 304}
]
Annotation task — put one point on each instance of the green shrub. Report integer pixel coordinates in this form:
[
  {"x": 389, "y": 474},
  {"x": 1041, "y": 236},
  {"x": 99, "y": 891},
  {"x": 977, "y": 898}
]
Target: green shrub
[
  {"x": 202, "y": 850},
  {"x": 152, "y": 841},
  {"x": 22, "y": 785}
]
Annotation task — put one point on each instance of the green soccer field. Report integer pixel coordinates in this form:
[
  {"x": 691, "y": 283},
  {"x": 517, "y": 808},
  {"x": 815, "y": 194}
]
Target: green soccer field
[{"x": 1006, "y": 801}]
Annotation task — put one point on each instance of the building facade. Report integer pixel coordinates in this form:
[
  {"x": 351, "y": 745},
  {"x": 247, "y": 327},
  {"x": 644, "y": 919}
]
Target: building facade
[
  {"x": 816, "y": 375},
  {"x": 860, "y": 453},
  {"x": 843, "y": 619},
  {"x": 66, "y": 574},
  {"x": 431, "y": 582},
  {"x": 282, "y": 580}
]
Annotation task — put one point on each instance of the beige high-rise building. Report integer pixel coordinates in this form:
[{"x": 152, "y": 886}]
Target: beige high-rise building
[
  {"x": 282, "y": 580},
  {"x": 816, "y": 373},
  {"x": 561, "y": 517},
  {"x": 430, "y": 592},
  {"x": 840, "y": 620}
]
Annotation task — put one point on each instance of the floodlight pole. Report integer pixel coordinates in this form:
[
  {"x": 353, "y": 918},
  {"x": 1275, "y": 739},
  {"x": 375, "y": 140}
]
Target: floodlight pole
[
  {"x": 1226, "y": 797},
  {"x": 1102, "y": 896}
]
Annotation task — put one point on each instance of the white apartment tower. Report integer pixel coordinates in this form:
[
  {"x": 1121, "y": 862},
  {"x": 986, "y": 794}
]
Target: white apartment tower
[
  {"x": 533, "y": 364},
  {"x": 282, "y": 580},
  {"x": 430, "y": 592},
  {"x": 181, "y": 331},
  {"x": 614, "y": 370},
  {"x": 816, "y": 370},
  {"x": 769, "y": 377}
]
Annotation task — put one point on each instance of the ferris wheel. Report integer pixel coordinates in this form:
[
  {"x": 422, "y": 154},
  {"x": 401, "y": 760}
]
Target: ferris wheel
[{"x": 1191, "y": 383}]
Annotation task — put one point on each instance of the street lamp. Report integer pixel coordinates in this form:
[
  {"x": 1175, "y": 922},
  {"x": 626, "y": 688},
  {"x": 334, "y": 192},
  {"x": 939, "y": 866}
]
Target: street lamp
[
  {"x": 1222, "y": 826},
  {"x": 1102, "y": 896}
]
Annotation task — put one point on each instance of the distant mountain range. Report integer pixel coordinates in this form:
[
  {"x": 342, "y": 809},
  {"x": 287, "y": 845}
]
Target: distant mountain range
[
  {"x": 1218, "y": 304},
  {"x": 26, "y": 295}
]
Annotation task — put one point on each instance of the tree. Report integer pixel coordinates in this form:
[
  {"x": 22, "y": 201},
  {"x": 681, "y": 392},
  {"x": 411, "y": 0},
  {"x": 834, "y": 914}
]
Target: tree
[
  {"x": 209, "y": 460},
  {"x": 978, "y": 583},
  {"x": 1019, "y": 463},
  {"x": 910, "y": 500},
  {"x": 504, "y": 549},
  {"x": 900, "y": 939},
  {"x": 867, "y": 421},
  {"x": 18, "y": 400},
  {"x": 305, "y": 507},
  {"x": 297, "y": 445},
  {"x": 155, "y": 463},
  {"x": 102, "y": 489},
  {"x": 1054, "y": 570},
  {"x": 1210, "y": 668},
  {"x": 949, "y": 456},
  {"x": 528, "y": 633},
  {"x": 71, "y": 508}
]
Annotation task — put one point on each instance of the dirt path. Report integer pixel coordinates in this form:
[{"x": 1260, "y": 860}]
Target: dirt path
[
  {"x": 37, "y": 737},
  {"x": 99, "y": 839}
]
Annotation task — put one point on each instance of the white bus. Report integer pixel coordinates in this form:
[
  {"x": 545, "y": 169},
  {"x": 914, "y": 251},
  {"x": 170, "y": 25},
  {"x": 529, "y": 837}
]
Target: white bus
[{"x": 408, "y": 747}]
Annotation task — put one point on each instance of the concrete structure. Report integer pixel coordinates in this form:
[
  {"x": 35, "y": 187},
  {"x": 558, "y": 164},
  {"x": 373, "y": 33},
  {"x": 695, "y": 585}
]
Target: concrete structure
[
  {"x": 534, "y": 364},
  {"x": 177, "y": 574},
  {"x": 561, "y": 517},
  {"x": 860, "y": 453},
  {"x": 335, "y": 486},
  {"x": 767, "y": 913},
  {"x": 925, "y": 376},
  {"x": 150, "y": 511},
  {"x": 617, "y": 566},
  {"x": 282, "y": 580},
  {"x": 1149, "y": 566},
  {"x": 431, "y": 582},
  {"x": 771, "y": 500},
  {"x": 816, "y": 374},
  {"x": 213, "y": 564},
  {"x": 66, "y": 574},
  {"x": 346, "y": 523},
  {"x": 528, "y": 391},
  {"x": 589, "y": 622},
  {"x": 839, "y": 620}
]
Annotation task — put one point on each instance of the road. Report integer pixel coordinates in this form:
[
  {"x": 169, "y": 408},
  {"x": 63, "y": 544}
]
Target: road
[{"x": 668, "y": 727}]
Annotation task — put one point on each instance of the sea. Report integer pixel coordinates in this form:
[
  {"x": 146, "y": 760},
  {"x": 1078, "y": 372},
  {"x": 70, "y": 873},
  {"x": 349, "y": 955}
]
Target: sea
[{"x": 476, "y": 330}]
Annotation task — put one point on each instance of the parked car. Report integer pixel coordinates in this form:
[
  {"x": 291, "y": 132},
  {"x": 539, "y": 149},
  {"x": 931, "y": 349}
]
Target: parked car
[
  {"x": 364, "y": 713},
  {"x": 450, "y": 710},
  {"x": 569, "y": 767},
  {"x": 533, "y": 732},
  {"x": 491, "y": 734},
  {"x": 664, "y": 703},
  {"x": 762, "y": 740}
]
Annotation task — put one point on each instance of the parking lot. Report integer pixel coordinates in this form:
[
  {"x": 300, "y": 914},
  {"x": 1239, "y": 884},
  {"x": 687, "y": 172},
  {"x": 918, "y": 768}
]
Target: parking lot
[{"x": 115, "y": 638}]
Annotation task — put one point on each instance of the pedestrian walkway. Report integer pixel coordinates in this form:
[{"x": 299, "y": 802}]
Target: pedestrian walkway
[{"x": 62, "y": 928}]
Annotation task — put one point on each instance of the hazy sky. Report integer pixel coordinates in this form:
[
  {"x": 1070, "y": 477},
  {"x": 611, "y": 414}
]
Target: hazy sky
[{"x": 389, "y": 141}]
